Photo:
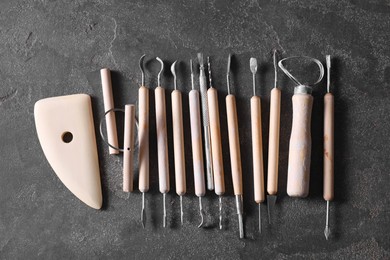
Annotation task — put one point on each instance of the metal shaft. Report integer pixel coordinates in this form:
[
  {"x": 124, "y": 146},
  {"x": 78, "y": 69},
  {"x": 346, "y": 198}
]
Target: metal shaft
[
  {"x": 327, "y": 230},
  {"x": 181, "y": 211},
  {"x": 143, "y": 216},
  {"x": 164, "y": 211},
  {"x": 220, "y": 212},
  {"x": 240, "y": 210},
  {"x": 200, "y": 212},
  {"x": 206, "y": 125}
]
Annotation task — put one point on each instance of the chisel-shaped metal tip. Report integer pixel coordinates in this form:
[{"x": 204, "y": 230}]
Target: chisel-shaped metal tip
[
  {"x": 200, "y": 212},
  {"x": 271, "y": 200},
  {"x": 327, "y": 229},
  {"x": 143, "y": 214}
]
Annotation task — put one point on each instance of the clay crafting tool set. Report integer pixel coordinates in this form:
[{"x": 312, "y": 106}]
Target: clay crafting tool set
[{"x": 65, "y": 128}]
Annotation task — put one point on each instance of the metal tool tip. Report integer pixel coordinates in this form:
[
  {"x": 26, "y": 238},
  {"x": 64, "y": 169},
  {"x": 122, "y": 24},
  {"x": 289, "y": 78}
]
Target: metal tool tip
[
  {"x": 192, "y": 72},
  {"x": 181, "y": 211},
  {"x": 173, "y": 69},
  {"x": 328, "y": 60},
  {"x": 200, "y": 212},
  {"x": 327, "y": 233},
  {"x": 241, "y": 225},
  {"x": 220, "y": 212},
  {"x": 259, "y": 218},
  {"x": 253, "y": 64},
  {"x": 200, "y": 58}
]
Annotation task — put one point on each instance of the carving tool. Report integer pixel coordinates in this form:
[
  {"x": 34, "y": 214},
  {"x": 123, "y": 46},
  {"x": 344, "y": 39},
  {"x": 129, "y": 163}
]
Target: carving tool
[
  {"x": 108, "y": 99},
  {"x": 216, "y": 144},
  {"x": 300, "y": 141},
  {"x": 178, "y": 142},
  {"x": 206, "y": 126},
  {"x": 128, "y": 148},
  {"x": 234, "y": 148},
  {"x": 196, "y": 139},
  {"x": 273, "y": 149},
  {"x": 66, "y": 133},
  {"x": 257, "y": 142},
  {"x": 328, "y": 147},
  {"x": 162, "y": 140},
  {"x": 143, "y": 139}
]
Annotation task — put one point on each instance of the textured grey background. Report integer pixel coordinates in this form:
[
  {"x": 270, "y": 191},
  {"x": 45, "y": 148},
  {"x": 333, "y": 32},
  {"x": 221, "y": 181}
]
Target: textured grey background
[{"x": 52, "y": 48}]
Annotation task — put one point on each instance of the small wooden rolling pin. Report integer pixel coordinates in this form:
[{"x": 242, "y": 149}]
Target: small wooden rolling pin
[
  {"x": 128, "y": 148},
  {"x": 162, "y": 140},
  {"x": 300, "y": 141},
  {"x": 235, "y": 154},
  {"x": 196, "y": 140},
  {"x": 273, "y": 142},
  {"x": 178, "y": 142},
  {"x": 216, "y": 144},
  {"x": 108, "y": 100},
  {"x": 328, "y": 147},
  {"x": 143, "y": 139}
]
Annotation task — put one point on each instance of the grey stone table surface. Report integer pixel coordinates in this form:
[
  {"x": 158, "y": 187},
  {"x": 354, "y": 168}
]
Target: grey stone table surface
[{"x": 54, "y": 48}]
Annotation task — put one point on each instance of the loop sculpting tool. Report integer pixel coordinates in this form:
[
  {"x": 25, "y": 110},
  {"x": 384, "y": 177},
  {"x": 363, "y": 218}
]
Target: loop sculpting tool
[{"x": 300, "y": 140}]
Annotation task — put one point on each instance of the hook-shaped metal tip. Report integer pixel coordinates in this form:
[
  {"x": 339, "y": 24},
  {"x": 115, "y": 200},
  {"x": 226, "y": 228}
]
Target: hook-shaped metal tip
[
  {"x": 141, "y": 67},
  {"x": 161, "y": 70},
  {"x": 328, "y": 65},
  {"x": 174, "y": 74},
  {"x": 200, "y": 212}
]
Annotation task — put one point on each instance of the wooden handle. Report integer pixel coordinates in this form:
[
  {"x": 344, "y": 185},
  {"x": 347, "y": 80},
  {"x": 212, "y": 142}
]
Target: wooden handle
[
  {"x": 328, "y": 147},
  {"x": 178, "y": 142},
  {"x": 196, "y": 138},
  {"x": 108, "y": 100},
  {"x": 128, "y": 148},
  {"x": 216, "y": 144},
  {"x": 162, "y": 140},
  {"x": 300, "y": 147},
  {"x": 234, "y": 144},
  {"x": 273, "y": 143},
  {"x": 257, "y": 148},
  {"x": 143, "y": 138}
]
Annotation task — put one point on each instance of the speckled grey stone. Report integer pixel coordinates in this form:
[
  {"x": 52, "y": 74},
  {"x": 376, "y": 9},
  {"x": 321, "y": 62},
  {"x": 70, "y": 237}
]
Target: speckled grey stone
[{"x": 53, "y": 48}]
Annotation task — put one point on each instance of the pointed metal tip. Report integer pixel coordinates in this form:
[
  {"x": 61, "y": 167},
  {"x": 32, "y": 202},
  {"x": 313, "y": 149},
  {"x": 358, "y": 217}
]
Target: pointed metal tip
[
  {"x": 271, "y": 200},
  {"x": 327, "y": 233},
  {"x": 220, "y": 212},
  {"x": 200, "y": 212}
]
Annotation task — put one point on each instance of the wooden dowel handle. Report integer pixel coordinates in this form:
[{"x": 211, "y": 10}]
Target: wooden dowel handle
[
  {"x": 216, "y": 144},
  {"x": 143, "y": 138},
  {"x": 128, "y": 148},
  {"x": 162, "y": 140},
  {"x": 257, "y": 148},
  {"x": 300, "y": 147},
  {"x": 328, "y": 147},
  {"x": 108, "y": 100},
  {"x": 273, "y": 143},
  {"x": 178, "y": 142},
  {"x": 196, "y": 139},
  {"x": 234, "y": 144}
]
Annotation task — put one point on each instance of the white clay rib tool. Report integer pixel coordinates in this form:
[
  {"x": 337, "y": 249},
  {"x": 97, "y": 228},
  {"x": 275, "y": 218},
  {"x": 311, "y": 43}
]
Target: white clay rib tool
[
  {"x": 108, "y": 99},
  {"x": 234, "y": 148},
  {"x": 178, "y": 142},
  {"x": 328, "y": 147},
  {"x": 257, "y": 142},
  {"x": 196, "y": 140},
  {"x": 143, "y": 139},
  {"x": 273, "y": 142},
  {"x": 216, "y": 144},
  {"x": 206, "y": 124},
  {"x": 162, "y": 141},
  {"x": 300, "y": 141}
]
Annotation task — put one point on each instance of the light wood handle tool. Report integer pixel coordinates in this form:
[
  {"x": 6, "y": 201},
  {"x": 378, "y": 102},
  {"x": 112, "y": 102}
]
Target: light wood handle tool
[{"x": 128, "y": 148}]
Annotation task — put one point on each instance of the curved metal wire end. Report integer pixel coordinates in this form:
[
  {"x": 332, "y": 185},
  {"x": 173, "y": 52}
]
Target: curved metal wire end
[
  {"x": 253, "y": 67},
  {"x": 161, "y": 70},
  {"x": 174, "y": 75},
  {"x": 141, "y": 67},
  {"x": 328, "y": 65},
  {"x": 228, "y": 72},
  {"x": 319, "y": 64},
  {"x": 200, "y": 212},
  {"x": 192, "y": 76},
  {"x": 275, "y": 67}
]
